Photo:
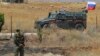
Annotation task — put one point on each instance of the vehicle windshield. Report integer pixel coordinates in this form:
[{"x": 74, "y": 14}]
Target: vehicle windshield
[{"x": 52, "y": 16}]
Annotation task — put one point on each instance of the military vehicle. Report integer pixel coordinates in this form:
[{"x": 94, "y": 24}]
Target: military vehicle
[
  {"x": 1, "y": 21},
  {"x": 64, "y": 19}
]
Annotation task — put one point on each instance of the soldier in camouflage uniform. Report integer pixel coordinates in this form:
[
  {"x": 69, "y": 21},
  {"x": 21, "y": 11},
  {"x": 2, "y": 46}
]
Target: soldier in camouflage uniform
[{"x": 19, "y": 42}]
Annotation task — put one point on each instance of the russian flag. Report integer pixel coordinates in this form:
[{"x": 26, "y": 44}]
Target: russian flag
[{"x": 91, "y": 5}]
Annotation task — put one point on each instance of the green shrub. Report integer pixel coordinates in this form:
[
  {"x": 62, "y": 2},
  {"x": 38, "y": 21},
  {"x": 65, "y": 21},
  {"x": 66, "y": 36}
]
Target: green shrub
[{"x": 1, "y": 17}]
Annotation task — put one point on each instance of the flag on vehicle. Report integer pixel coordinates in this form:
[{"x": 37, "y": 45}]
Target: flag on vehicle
[{"x": 91, "y": 5}]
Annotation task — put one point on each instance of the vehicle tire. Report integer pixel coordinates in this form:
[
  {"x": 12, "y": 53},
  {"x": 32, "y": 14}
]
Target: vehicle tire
[{"x": 79, "y": 27}]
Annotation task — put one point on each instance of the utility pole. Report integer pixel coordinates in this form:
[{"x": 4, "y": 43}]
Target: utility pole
[{"x": 11, "y": 26}]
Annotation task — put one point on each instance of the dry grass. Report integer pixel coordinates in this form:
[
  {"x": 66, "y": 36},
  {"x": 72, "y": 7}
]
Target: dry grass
[
  {"x": 24, "y": 15},
  {"x": 72, "y": 42},
  {"x": 77, "y": 43},
  {"x": 70, "y": 38}
]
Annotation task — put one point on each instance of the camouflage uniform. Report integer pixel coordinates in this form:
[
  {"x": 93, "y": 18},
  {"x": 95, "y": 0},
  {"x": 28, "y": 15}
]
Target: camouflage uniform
[{"x": 19, "y": 42}]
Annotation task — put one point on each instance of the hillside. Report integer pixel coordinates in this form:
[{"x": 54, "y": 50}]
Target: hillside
[
  {"x": 56, "y": 41},
  {"x": 24, "y": 15}
]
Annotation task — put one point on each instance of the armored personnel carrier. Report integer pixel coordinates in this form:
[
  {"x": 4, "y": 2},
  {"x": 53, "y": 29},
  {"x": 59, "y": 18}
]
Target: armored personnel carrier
[
  {"x": 1, "y": 21},
  {"x": 65, "y": 19}
]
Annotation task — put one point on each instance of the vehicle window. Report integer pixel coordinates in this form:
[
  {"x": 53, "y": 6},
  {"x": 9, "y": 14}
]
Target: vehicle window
[
  {"x": 78, "y": 14},
  {"x": 79, "y": 17},
  {"x": 61, "y": 16},
  {"x": 52, "y": 16}
]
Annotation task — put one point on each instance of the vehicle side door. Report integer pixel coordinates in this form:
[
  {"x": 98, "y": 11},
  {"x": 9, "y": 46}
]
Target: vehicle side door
[{"x": 61, "y": 21}]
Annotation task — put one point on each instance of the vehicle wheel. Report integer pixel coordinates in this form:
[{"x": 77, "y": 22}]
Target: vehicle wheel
[{"x": 79, "y": 27}]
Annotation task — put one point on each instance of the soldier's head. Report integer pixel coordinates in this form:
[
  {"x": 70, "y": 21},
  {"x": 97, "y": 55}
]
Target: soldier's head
[{"x": 17, "y": 30}]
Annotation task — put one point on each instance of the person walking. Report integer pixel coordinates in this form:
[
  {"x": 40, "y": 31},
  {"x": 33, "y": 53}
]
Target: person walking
[{"x": 19, "y": 40}]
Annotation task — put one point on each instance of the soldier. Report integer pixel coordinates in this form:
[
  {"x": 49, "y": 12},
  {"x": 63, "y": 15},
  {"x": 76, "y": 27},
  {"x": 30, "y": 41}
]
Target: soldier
[{"x": 19, "y": 42}]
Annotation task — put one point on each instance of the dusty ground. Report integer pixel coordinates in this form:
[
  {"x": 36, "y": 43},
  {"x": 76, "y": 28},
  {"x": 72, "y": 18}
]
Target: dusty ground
[{"x": 56, "y": 42}]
